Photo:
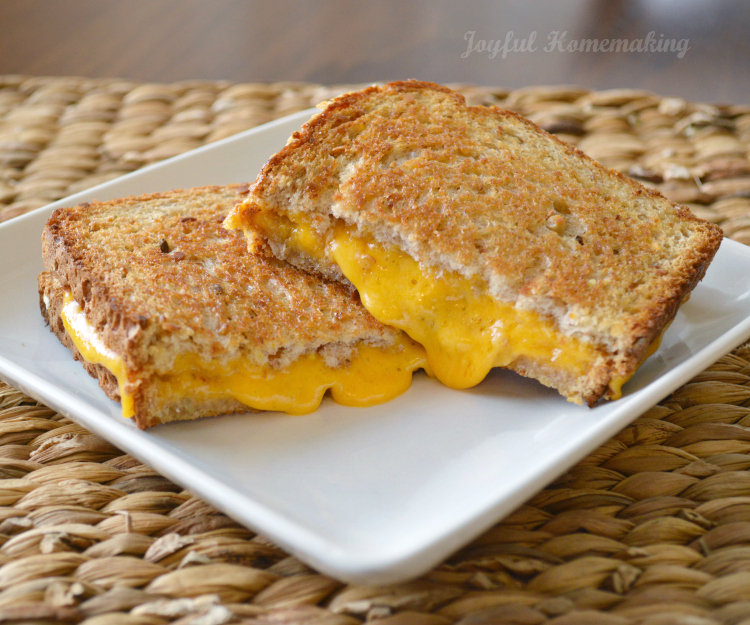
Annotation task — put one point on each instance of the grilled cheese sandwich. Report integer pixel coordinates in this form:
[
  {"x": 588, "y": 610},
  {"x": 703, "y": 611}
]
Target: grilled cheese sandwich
[
  {"x": 484, "y": 238},
  {"x": 148, "y": 353}
]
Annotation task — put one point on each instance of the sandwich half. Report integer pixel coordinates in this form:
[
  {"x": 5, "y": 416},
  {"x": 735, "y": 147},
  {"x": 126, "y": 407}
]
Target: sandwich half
[
  {"x": 486, "y": 239},
  {"x": 177, "y": 320}
]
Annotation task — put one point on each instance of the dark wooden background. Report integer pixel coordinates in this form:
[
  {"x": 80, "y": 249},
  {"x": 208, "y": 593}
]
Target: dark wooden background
[{"x": 340, "y": 41}]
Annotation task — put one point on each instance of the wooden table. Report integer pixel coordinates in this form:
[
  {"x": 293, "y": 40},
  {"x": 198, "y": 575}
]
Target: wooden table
[{"x": 338, "y": 41}]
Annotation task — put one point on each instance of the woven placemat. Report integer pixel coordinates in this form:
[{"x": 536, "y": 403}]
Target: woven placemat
[
  {"x": 653, "y": 527},
  {"x": 62, "y": 135}
]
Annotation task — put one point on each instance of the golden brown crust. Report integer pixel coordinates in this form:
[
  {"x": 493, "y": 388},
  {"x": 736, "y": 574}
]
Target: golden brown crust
[
  {"x": 483, "y": 191},
  {"x": 150, "y": 408},
  {"x": 50, "y": 304},
  {"x": 158, "y": 276}
]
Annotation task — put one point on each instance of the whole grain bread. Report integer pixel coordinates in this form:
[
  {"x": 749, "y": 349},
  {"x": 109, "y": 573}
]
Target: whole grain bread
[
  {"x": 159, "y": 277},
  {"x": 486, "y": 193}
]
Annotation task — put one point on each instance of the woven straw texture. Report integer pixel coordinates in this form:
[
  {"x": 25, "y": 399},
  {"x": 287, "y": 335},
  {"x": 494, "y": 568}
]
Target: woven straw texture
[{"x": 651, "y": 528}]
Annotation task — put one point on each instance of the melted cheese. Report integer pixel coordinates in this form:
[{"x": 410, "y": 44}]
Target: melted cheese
[
  {"x": 93, "y": 349},
  {"x": 465, "y": 331},
  {"x": 374, "y": 375}
]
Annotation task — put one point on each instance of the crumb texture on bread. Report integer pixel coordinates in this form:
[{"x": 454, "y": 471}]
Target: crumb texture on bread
[{"x": 483, "y": 192}]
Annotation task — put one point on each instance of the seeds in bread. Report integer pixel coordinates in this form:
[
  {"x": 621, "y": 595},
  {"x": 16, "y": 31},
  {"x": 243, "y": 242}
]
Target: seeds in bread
[
  {"x": 484, "y": 194},
  {"x": 160, "y": 280}
]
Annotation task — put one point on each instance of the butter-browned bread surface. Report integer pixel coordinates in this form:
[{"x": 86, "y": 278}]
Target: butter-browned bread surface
[{"x": 482, "y": 199}]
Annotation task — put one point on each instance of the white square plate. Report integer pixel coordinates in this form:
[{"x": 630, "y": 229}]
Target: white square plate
[{"x": 371, "y": 494}]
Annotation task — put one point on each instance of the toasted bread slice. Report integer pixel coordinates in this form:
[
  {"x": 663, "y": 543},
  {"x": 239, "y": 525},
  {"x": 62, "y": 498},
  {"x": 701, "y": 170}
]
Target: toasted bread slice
[
  {"x": 487, "y": 239},
  {"x": 178, "y": 320}
]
